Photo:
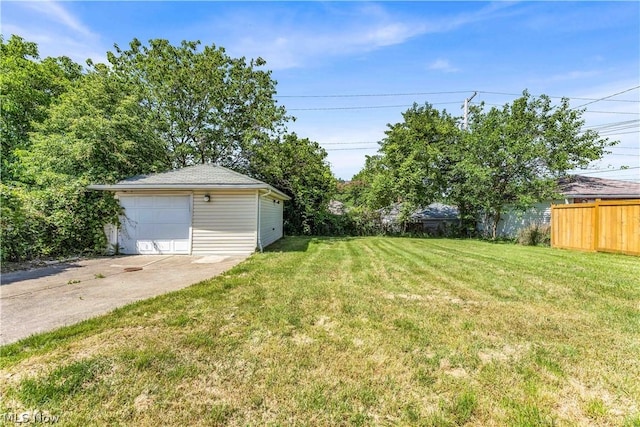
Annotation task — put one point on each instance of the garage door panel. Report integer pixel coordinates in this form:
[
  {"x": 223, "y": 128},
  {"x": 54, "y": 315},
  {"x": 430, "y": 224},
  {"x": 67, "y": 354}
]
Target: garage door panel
[
  {"x": 163, "y": 216},
  {"x": 181, "y": 246},
  {"x": 176, "y": 216},
  {"x": 171, "y": 202},
  {"x": 161, "y": 232},
  {"x": 153, "y": 246}
]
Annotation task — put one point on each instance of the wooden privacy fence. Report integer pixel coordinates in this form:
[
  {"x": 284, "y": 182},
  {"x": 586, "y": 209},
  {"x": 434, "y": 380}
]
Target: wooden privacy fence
[{"x": 611, "y": 226}]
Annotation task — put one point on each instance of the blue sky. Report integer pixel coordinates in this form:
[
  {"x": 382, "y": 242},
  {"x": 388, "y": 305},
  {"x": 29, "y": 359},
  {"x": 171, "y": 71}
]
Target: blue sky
[{"x": 327, "y": 55}]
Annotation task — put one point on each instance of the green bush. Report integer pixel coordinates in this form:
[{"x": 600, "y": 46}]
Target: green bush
[
  {"x": 534, "y": 235},
  {"x": 53, "y": 222}
]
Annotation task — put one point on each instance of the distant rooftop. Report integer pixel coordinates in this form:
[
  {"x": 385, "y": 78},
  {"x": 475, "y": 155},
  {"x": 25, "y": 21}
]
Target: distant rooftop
[
  {"x": 591, "y": 187},
  {"x": 437, "y": 211}
]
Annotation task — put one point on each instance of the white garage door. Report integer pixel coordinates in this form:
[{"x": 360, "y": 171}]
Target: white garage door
[{"x": 155, "y": 225}]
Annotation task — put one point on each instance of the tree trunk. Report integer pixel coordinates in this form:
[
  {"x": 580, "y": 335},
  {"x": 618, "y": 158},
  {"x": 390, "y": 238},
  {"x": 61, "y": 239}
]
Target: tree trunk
[{"x": 494, "y": 225}]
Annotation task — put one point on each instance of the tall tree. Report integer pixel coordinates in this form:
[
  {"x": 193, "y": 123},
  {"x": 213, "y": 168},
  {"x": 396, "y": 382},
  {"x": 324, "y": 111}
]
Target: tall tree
[
  {"x": 413, "y": 156},
  {"x": 510, "y": 156},
  {"x": 207, "y": 106},
  {"x": 515, "y": 155},
  {"x": 28, "y": 86},
  {"x": 98, "y": 131},
  {"x": 298, "y": 167}
]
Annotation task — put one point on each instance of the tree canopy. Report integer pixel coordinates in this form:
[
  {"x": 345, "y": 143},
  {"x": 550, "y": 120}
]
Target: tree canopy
[
  {"x": 298, "y": 167},
  {"x": 514, "y": 155},
  {"x": 158, "y": 106},
  {"x": 28, "y": 87},
  {"x": 510, "y": 156},
  {"x": 205, "y": 105}
]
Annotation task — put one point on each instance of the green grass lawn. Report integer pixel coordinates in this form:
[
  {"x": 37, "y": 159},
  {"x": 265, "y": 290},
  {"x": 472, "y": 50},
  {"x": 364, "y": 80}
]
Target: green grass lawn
[{"x": 366, "y": 331}]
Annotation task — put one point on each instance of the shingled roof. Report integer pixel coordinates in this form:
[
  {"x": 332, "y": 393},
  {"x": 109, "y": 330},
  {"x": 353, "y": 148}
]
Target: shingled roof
[
  {"x": 591, "y": 187},
  {"x": 188, "y": 178}
]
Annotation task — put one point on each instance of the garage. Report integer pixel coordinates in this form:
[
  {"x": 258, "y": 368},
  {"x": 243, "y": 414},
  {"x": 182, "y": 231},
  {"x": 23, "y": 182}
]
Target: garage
[
  {"x": 195, "y": 210},
  {"x": 155, "y": 224}
]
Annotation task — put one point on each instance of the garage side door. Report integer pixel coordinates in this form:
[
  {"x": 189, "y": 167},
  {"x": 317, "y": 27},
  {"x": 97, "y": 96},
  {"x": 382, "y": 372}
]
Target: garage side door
[{"x": 155, "y": 225}]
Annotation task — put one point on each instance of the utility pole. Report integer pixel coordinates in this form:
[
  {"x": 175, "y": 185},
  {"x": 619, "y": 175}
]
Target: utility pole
[{"x": 465, "y": 122}]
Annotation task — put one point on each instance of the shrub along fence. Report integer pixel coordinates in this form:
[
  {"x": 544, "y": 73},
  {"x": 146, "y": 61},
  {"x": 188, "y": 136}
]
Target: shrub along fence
[{"x": 611, "y": 226}]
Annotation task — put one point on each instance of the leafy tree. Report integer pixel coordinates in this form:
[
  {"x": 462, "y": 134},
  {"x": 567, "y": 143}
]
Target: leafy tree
[
  {"x": 515, "y": 155},
  {"x": 207, "y": 106},
  {"x": 359, "y": 191},
  {"x": 28, "y": 87},
  {"x": 410, "y": 166},
  {"x": 92, "y": 128},
  {"x": 298, "y": 167},
  {"x": 98, "y": 131},
  {"x": 510, "y": 156}
]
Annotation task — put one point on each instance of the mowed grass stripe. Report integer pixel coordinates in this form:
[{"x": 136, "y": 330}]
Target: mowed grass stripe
[
  {"x": 356, "y": 331},
  {"x": 538, "y": 267},
  {"x": 563, "y": 264}
]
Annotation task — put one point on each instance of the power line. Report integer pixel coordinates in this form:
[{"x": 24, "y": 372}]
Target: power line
[
  {"x": 349, "y": 108},
  {"x": 373, "y": 94},
  {"x": 568, "y": 97},
  {"x": 613, "y": 112},
  {"x": 370, "y": 95},
  {"x": 609, "y": 170},
  {"x": 363, "y": 107},
  {"x": 607, "y": 97},
  {"x": 618, "y": 133},
  {"x": 614, "y": 124}
]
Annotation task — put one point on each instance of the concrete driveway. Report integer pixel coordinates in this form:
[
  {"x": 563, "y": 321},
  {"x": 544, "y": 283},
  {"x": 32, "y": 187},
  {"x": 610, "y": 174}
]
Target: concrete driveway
[{"x": 46, "y": 298}]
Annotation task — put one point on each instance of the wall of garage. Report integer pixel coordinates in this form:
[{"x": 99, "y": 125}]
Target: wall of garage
[
  {"x": 226, "y": 224},
  {"x": 270, "y": 219}
]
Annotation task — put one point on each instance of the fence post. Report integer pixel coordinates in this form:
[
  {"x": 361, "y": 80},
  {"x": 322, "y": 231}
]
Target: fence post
[
  {"x": 596, "y": 225},
  {"x": 551, "y": 221}
]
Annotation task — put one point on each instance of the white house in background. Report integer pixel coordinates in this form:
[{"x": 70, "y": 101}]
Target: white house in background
[
  {"x": 196, "y": 210},
  {"x": 574, "y": 189}
]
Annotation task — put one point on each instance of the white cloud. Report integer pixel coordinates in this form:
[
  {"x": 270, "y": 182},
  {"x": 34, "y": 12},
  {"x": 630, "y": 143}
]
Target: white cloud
[
  {"x": 299, "y": 46},
  {"x": 55, "y": 12},
  {"x": 573, "y": 75},
  {"x": 443, "y": 65},
  {"x": 290, "y": 42},
  {"x": 54, "y": 28}
]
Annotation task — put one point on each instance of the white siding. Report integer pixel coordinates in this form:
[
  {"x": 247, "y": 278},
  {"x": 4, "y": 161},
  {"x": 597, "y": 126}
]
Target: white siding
[
  {"x": 270, "y": 220},
  {"x": 513, "y": 220},
  {"x": 225, "y": 225}
]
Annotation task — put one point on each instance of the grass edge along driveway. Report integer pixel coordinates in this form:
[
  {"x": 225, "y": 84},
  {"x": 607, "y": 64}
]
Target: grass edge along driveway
[{"x": 364, "y": 331}]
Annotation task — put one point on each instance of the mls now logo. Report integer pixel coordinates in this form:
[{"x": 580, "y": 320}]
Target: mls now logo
[{"x": 30, "y": 417}]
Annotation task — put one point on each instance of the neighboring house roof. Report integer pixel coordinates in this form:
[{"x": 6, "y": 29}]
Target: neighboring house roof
[
  {"x": 432, "y": 212},
  {"x": 589, "y": 187},
  {"x": 205, "y": 177},
  {"x": 437, "y": 211}
]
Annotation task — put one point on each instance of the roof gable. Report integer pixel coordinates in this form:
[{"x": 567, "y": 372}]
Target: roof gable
[
  {"x": 205, "y": 176},
  {"x": 197, "y": 175}
]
